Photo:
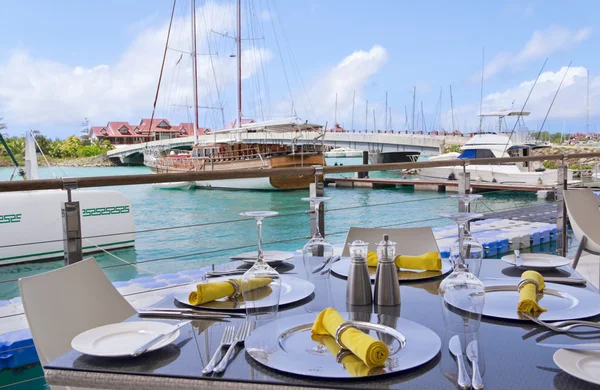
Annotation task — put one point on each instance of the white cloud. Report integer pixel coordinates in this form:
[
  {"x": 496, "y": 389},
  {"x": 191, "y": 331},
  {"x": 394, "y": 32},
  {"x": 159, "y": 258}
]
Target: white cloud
[
  {"x": 571, "y": 102},
  {"x": 38, "y": 92},
  {"x": 353, "y": 73},
  {"x": 540, "y": 45}
]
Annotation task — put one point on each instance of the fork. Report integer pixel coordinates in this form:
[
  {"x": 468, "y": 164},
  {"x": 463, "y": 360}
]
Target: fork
[
  {"x": 240, "y": 336},
  {"x": 562, "y": 326},
  {"x": 226, "y": 341}
]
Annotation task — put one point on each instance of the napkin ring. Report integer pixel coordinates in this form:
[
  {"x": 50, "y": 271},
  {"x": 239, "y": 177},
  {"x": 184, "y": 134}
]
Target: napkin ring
[
  {"x": 342, "y": 354},
  {"x": 236, "y": 287},
  {"x": 338, "y": 333},
  {"x": 367, "y": 325},
  {"x": 525, "y": 282}
]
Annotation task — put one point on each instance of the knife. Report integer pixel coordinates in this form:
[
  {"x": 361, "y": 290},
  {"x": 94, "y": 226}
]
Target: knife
[
  {"x": 190, "y": 310},
  {"x": 157, "y": 339},
  {"x": 463, "y": 375},
  {"x": 472, "y": 354},
  {"x": 579, "y": 347}
]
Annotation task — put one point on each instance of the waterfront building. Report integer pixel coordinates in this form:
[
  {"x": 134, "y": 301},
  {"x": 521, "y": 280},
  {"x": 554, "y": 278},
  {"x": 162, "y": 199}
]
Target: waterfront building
[{"x": 122, "y": 133}]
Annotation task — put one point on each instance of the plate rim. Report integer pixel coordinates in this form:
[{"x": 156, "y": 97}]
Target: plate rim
[
  {"x": 505, "y": 258},
  {"x": 445, "y": 265},
  {"x": 89, "y": 351},
  {"x": 310, "y": 289},
  {"x": 571, "y": 290},
  {"x": 573, "y": 368},
  {"x": 433, "y": 338},
  {"x": 288, "y": 256}
]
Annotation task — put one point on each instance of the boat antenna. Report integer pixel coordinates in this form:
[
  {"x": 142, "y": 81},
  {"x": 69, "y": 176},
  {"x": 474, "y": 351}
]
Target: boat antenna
[
  {"x": 413, "y": 111},
  {"x": 452, "y": 108},
  {"x": 353, "y": 100},
  {"x": 525, "y": 104},
  {"x": 481, "y": 93},
  {"x": 554, "y": 98}
]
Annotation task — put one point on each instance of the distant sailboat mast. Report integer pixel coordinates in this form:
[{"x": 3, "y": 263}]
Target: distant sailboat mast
[
  {"x": 195, "y": 67},
  {"x": 239, "y": 63},
  {"x": 353, "y": 99}
]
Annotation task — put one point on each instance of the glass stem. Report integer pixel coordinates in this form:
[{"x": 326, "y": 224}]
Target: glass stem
[
  {"x": 317, "y": 230},
  {"x": 259, "y": 229},
  {"x": 461, "y": 238}
]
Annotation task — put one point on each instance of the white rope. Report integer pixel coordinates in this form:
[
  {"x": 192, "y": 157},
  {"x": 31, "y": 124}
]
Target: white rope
[{"x": 120, "y": 259}]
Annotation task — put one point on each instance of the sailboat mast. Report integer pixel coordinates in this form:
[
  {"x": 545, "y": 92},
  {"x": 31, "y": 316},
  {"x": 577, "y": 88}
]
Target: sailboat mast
[
  {"x": 413, "y": 111},
  {"x": 367, "y": 116},
  {"x": 335, "y": 112},
  {"x": 452, "y": 108},
  {"x": 195, "y": 66},
  {"x": 385, "y": 120},
  {"x": 587, "y": 118},
  {"x": 353, "y": 100},
  {"x": 239, "y": 63}
]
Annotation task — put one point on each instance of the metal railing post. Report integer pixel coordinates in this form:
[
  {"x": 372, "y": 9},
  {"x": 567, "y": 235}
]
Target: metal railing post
[
  {"x": 464, "y": 187},
  {"x": 71, "y": 221},
  {"x": 317, "y": 189},
  {"x": 561, "y": 214}
]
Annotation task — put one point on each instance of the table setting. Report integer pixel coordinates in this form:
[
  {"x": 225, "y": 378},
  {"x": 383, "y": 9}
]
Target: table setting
[{"x": 339, "y": 320}]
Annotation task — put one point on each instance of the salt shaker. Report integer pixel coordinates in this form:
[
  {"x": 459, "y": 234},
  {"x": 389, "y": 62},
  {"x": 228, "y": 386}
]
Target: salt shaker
[
  {"x": 358, "y": 288},
  {"x": 387, "y": 289}
]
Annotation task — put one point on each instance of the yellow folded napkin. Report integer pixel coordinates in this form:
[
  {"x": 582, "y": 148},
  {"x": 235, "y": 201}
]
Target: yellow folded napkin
[
  {"x": 528, "y": 296},
  {"x": 370, "y": 350},
  {"x": 207, "y": 292},
  {"x": 351, "y": 362},
  {"x": 429, "y": 261}
]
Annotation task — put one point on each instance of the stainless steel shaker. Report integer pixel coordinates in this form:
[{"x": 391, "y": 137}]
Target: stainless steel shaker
[
  {"x": 358, "y": 288},
  {"x": 387, "y": 289}
]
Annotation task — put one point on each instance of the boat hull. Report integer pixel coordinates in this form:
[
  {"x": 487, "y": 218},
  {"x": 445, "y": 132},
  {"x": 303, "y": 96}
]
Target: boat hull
[
  {"x": 277, "y": 182},
  {"x": 35, "y": 218},
  {"x": 392, "y": 157},
  {"x": 503, "y": 174}
]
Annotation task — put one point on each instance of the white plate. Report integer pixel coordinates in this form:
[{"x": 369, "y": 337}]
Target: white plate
[
  {"x": 563, "y": 302},
  {"x": 120, "y": 340},
  {"x": 271, "y": 257},
  {"x": 581, "y": 364},
  {"x": 538, "y": 260}
]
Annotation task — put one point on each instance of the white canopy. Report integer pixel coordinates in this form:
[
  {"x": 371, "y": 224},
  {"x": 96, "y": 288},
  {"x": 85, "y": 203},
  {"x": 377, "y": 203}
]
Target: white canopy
[{"x": 276, "y": 125}]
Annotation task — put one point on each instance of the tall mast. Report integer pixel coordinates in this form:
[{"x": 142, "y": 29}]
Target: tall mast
[
  {"x": 353, "y": 99},
  {"x": 423, "y": 118},
  {"x": 335, "y": 112},
  {"x": 239, "y": 63},
  {"x": 406, "y": 118},
  {"x": 385, "y": 117},
  {"x": 413, "y": 112},
  {"x": 452, "y": 108},
  {"x": 390, "y": 119},
  {"x": 374, "y": 121},
  {"x": 481, "y": 93},
  {"x": 587, "y": 118},
  {"x": 195, "y": 66},
  {"x": 367, "y": 117}
]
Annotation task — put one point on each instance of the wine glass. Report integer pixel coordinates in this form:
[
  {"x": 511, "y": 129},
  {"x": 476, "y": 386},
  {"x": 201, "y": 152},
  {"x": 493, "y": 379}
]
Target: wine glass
[
  {"x": 261, "y": 305},
  {"x": 466, "y": 199},
  {"x": 462, "y": 293},
  {"x": 317, "y": 253},
  {"x": 466, "y": 246}
]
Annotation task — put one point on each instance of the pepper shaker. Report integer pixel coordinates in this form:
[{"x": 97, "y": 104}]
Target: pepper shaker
[
  {"x": 387, "y": 289},
  {"x": 358, "y": 288}
]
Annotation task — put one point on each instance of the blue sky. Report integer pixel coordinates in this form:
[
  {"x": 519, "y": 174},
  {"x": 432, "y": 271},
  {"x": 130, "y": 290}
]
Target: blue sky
[{"x": 66, "y": 60}]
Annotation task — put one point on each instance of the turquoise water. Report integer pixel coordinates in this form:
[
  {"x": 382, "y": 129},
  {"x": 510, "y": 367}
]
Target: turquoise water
[{"x": 186, "y": 248}]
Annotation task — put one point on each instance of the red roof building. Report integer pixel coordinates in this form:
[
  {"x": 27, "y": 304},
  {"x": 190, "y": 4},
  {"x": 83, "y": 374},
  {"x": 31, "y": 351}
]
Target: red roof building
[{"x": 122, "y": 133}]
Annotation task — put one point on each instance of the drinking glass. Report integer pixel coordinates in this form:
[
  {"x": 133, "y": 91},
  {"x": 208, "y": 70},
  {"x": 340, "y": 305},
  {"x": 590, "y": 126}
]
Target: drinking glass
[
  {"x": 462, "y": 293},
  {"x": 466, "y": 199},
  {"x": 261, "y": 307},
  {"x": 466, "y": 246},
  {"x": 317, "y": 253}
]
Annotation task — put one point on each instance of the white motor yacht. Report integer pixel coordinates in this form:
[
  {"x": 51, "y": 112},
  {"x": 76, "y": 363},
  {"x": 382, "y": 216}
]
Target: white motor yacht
[{"x": 493, "y": 145}]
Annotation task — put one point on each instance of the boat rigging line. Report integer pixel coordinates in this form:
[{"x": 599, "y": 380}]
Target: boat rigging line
[
  {"x": 481, "y": 93},
  {"x": 554, "y": 98},
  {"x": 525, "y": 104}
]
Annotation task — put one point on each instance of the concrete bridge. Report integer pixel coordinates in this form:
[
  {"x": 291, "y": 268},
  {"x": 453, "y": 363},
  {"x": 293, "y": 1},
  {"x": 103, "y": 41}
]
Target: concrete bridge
[{"x": 425, "y": 143}]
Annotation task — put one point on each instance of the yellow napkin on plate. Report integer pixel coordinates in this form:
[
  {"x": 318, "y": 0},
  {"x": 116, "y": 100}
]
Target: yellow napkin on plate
[
  {"x": 429, "y": 261},
  {"x": 370, "y": 350},
  {"x": 351, "y": 362},
  {"x": 527, "y": 296},
  {"x": 207, "y": 292}
]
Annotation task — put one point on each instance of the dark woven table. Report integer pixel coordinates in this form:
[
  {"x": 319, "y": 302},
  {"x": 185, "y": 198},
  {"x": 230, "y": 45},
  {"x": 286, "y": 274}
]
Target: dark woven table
[{"x": 511, "y": 357}]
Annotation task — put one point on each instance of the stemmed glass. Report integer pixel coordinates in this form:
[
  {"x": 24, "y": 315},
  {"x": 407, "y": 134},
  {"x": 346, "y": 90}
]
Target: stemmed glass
[
  {"x": 317, "y": 253},
  {"x": 261, "y": 308},
  {"x": 466, "y": 246},
  {"x": 462, "y": 293}
]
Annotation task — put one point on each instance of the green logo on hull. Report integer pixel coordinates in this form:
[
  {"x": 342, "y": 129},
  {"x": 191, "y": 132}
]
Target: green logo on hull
[
  {"x": 10, "y": 218},
  {"x": 94, "y": 212}
]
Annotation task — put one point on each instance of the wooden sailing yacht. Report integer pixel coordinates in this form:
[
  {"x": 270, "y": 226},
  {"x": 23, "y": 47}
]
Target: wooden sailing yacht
[{"x": 233, "y": 153}]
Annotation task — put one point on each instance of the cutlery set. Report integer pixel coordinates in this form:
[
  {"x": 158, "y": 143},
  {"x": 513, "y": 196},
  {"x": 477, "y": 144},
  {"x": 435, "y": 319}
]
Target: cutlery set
[
  {"x": 187, "y": 313},
  {"x": 463, "y": 381},
  {"x": 228, "y": 340}
]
